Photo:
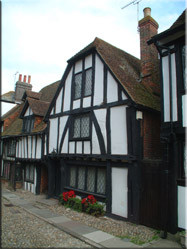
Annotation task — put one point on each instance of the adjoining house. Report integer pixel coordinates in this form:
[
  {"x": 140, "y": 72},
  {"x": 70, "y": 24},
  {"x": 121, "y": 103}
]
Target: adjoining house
[
  {"x": 23, "y": 138},
  {"x": 172, "y": 49},
  {"x": 104, "y": 128}
]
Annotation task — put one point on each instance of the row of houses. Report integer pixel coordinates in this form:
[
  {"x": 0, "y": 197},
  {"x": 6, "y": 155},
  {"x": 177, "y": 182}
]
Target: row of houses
[{"x": 100, "y": 130}]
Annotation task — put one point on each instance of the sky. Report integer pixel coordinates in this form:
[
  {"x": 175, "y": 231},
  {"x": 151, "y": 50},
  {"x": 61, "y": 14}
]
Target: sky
[{"x": 39, "y": 36}]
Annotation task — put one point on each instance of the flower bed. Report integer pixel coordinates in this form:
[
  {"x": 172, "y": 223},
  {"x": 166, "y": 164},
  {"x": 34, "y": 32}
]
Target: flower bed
[{"x": 88, "y": 205}]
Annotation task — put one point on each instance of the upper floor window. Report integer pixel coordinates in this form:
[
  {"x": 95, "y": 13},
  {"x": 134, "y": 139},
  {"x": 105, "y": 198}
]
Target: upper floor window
[
  {"x": 28, "y": 123},
  {"x": 83, "y": 84},
  {"x": 11, "y": 148},
  {"x": 81, "y": 127}
]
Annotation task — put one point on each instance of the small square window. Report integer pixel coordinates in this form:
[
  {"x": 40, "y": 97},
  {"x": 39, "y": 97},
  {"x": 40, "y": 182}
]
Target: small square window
[{"x": 81, "y": 127}]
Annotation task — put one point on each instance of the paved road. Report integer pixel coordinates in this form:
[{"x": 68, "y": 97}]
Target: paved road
[{"x": 21, "y": 229}]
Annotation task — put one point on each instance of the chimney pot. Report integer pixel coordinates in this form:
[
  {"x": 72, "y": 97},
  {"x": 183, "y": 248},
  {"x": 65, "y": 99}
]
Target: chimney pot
[
  {"x": 20, "y": 77},
  {"x": 147, "y": 11},
  {"x": 24, "y": 80},
  {"x": 29, "y": 79}
]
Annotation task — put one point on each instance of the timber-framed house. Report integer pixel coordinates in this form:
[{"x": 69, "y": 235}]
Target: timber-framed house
[
  {"x": 23, "y": 138},
  {"x": 104, "y": 127},
  {"x": 172, "y": 49}
]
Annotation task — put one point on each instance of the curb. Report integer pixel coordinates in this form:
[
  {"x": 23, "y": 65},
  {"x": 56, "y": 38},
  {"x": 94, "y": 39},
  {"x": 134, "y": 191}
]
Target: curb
[{"x": 66, "y": 230}]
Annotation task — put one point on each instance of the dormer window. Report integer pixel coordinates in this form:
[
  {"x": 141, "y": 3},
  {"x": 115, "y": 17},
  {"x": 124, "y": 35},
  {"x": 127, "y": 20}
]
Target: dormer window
[
  {"x": 83, "y": 84},
  {"x": 28, "y": 124}
]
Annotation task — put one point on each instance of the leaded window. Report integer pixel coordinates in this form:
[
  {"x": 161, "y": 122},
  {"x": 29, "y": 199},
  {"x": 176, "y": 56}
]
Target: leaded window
[
  {"x": 28, "y": 124},
  {"x": 11, "y": 148},
  {"x": 101, "y": 181},
  {"x": 81, "y": 127},
  {"x": 88, "y": 83},
  {"x": 83, "y": 84},
  {"x": 78, "y": 85},
  {"x": 90, "y": 179},
  {"x": 29, "y": 173}
]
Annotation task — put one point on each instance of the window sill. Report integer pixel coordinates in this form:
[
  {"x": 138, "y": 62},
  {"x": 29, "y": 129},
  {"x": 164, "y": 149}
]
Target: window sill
[{"x": 99, "y": 196}]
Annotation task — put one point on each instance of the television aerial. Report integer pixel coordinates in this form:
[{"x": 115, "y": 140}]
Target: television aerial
[{"x": 134, "y": 2}]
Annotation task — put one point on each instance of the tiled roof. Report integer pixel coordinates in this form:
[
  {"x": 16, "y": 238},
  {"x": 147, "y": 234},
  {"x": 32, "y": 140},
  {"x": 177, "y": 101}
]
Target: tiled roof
[
  {"x": 126, "y": 69},
  {"x": 8, "y": 97},
  {"x": 39, "y": 108},
  {"x": 180, "y": 20},
  {"x": 32, "y": 94}
]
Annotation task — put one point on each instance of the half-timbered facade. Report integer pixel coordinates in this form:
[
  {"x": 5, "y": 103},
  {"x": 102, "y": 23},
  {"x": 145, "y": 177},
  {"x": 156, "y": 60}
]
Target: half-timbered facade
[
  {"x": 103, "y": 122},
  {"x": 172, "y": 49},
  {"x": 23, "y": 141}
]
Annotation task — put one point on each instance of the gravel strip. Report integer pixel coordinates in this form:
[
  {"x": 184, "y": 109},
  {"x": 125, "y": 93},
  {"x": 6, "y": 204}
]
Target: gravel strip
[
  {"x": 23, "y": 230},
  {"x": 137, "y": 233}
]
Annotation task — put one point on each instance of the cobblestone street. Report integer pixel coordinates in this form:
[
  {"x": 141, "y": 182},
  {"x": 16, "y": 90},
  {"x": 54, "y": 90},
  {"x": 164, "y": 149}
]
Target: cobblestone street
[{"x": 23, "y": 230}]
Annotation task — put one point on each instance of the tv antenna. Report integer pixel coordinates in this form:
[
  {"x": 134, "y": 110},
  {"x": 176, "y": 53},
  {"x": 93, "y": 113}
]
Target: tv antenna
[{"x": 134, "y": 2}]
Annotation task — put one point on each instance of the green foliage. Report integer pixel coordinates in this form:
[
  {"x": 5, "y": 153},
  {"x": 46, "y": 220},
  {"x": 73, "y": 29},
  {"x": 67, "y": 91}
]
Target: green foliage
[{"x": 88, "y": 205}]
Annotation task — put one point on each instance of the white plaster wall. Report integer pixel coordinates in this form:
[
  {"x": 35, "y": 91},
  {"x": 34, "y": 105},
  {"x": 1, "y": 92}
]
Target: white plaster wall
[
  {"x": 124, "y": 97},
  {"x": 112, "y": 89},
  {"x": 52, "y": 111},
  {"x": 118, "y": 131},
  {"x": 98, "y": 90},
  {"x": 78, "y": 66},
  {"x": 184, "y": 110},
  {"x": 20, "y": 148},
  {"x": 88, "y": 61},
  {"x": 95, "y": 142},
  {"x": 86, "y": 147},
  {"x": 87, "y": 102},
  {"x": 174, "y": 88},
  {"x": 63, "y": 121},
  {"x": 76, "y": 104},
  {"x": 79, "y": 147},
  {"x": 39, "y": 147},
  {"x": 65, "y": 144},
  {"x": 33, "y": 146},
  {"x": 72, "y": 147},
  {"x": 120, "y": 191},
  {"x": 28, "y": 112},
  {"x": 29, "y": 147},
  {"x": 67, "y": 92},
  {"x": 59, "y": 102},
  {"x": 101, "y": 118},
  {"x": 182, "y": 206},
  {"x": 25, "y": 144},
  {"x": 166, "y": 102},
  {"x": 53, "y": 134},
  {"x": 17, "y": 149}
]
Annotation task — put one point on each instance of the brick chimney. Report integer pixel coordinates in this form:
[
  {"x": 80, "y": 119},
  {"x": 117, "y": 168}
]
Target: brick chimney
[
  {"x": 148, "y": 27},
  {"x": 21, "y": 87}
]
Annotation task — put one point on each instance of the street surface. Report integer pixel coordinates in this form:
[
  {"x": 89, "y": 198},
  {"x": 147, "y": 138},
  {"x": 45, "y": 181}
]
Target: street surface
[{"x": 21, "y": 229}]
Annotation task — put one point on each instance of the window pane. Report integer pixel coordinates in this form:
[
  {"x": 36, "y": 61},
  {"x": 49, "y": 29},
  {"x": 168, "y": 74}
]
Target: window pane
[
  {"x": 81, "y": 177},
  {"x": 101, "y": 181},
  {"x": 76, "y": 128},
  {"x": 88, "y": 83},
  {"x": 72, "y": 177},
  {"x": 91, "y": 179},
  {"x": 32, "y": 173},
  {"x": 27, "y": 172},
  {"x": 85, "y": 126},
  {"x": 78, "y": 85}
]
